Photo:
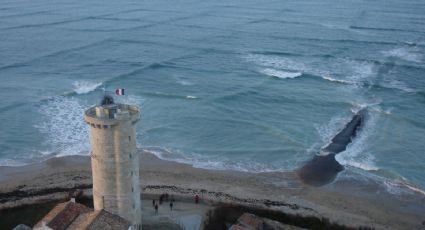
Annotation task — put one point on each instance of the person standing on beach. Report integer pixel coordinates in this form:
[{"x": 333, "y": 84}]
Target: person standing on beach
[
  {"x": 156, "y": 208},
  {"x": 153, "y": 203},
  {"x": 171, "y": 206},
  {"x": 196, "y": 198}
]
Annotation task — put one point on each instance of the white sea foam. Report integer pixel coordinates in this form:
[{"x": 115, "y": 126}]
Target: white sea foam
[
  {"x": 361, "y": 71},
  {"x": 411, "y": 54},
  {"x": 397, "y": 84},
  {"x": 329, "y": 78},
  {"x": 382, "y": 111},
  {"x": 63, "y": 126},
  {"x": 83, "y": 87},
  {"x": 371, "y": 106},
  {"x": 280, "y": 74},
  {"x": 401, "y": 187},
  {"x": 349, "y": 72},
  {"x": 329, "y": 130},
  {"x": 205, "y": 162},
  {"x": 357, "y": 154},
  {"x": 184, "y": 82},
  {"x": 276, "y": 62},
  {"x": 275, "y": 66},
  {"x": 393, "y": 186},
  {"x": 191, "y": 97}
]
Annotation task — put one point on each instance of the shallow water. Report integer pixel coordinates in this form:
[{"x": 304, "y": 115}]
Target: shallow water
[{"x": 245, "y": 85}]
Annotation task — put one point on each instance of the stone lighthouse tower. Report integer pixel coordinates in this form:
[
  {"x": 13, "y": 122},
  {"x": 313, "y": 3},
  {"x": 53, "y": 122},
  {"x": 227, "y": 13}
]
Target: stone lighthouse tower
[{"x": 114, "y": 159}]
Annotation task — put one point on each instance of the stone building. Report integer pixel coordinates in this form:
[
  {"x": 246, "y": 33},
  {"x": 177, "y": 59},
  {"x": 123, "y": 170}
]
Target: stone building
[{"x": 114, "y": 159}]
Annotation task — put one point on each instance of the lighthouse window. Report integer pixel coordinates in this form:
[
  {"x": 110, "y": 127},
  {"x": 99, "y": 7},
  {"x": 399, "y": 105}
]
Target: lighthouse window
[
  {"x": 129, "y": 138},
  {"x": 130, "y": 156},
  {"x": 131, "y": 173},
  {"x": 132, "y": 189}
]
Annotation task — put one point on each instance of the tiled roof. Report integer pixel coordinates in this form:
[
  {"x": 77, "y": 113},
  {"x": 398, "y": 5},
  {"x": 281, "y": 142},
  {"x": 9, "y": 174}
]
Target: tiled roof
[
  {"x": 250, "y": 221},
  {"x": 237, "y": 227},
  {"x": 61, "y": 216},
  {"x": 108, "y": 221},
  {"x": 83, "y": 221},
  {"x": 67, "y": 216},
  {"x": 73, "y": 216}
]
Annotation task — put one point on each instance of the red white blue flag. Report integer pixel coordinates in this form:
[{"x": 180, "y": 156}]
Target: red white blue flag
[{"x": 119, "y": 92}]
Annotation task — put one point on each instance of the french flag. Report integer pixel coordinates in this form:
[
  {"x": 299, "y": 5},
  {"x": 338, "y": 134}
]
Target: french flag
[{"x": 119, "y": 92}]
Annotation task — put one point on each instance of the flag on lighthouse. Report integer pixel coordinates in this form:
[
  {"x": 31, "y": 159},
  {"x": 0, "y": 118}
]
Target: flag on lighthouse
[{"x": 119, "y": 92}]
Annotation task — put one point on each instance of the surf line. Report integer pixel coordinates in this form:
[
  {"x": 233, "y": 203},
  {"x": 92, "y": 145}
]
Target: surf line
[{"x": 323, "y": 168}]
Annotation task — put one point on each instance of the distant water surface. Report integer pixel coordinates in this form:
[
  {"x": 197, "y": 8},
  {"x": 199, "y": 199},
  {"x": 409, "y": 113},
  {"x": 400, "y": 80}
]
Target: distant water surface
[{"x": 244, "y": 85}]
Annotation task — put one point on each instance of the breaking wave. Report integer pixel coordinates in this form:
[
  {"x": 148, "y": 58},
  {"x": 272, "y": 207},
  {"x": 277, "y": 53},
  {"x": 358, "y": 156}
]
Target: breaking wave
[
  {"x": 348, "y": 71},
  {"x": 65, "y": 131},
  {"x": 329, "y": 78},
  {"x": 205, "y": 162},
  {"x": 83, "y": 87},
  {"x": 276, "y": 62},
  {"x": 280, "y": 74},
  {"x": 357, "y": 153},
  {"x": 411, "y": 54}
]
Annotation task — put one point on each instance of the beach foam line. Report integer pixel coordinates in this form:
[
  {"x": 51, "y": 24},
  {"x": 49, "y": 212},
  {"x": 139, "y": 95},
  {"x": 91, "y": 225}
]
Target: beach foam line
[
  {"x": 390, "y": 185},
  {"x": 198, "y": 161}
]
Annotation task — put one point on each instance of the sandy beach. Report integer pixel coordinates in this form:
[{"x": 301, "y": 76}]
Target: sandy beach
[{"x": 352, "y": 200}]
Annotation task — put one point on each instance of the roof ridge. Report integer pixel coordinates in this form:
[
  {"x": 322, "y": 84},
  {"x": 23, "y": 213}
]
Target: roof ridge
[
  {"x": 59, "y": 213},
  {"x": 96, "y": 215}
]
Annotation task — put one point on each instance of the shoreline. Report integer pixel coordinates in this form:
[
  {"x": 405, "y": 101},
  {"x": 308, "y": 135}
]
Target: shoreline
[
  {"x": 352, "y": 200},
  {"x": 390, "y": 183}
]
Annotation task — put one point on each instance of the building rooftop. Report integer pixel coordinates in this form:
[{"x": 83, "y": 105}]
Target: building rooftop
[
  {"x": 237, "y": 227},
  {"x": 250, "y": 221},
  {"x": 73, "y": 216}
]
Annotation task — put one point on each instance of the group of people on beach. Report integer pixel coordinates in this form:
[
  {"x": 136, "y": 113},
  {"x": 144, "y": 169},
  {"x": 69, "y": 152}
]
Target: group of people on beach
[{"x": 165, "y": 197}]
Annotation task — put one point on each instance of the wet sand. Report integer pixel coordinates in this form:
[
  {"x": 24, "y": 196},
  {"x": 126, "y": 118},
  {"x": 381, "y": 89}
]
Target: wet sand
[{"x": 353, "y": 199}]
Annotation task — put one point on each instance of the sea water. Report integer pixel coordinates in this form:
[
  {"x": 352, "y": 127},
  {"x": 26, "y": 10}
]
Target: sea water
[{"x": 243, "y": 85}]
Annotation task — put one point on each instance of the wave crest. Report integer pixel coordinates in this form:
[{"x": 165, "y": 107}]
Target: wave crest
[
  {"x": 329, "y": 78},
  {"x": 83, "y": 87},
  {"x": 408, "y": 54},
  {"x": 280, "y": 74}
]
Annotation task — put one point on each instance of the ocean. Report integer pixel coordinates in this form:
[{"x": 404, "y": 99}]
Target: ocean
[{"x": 245, "y": 85}]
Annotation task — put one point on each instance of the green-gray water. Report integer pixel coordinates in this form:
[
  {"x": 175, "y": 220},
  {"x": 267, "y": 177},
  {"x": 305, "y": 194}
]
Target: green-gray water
[{"x": 244, "y": 85}]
